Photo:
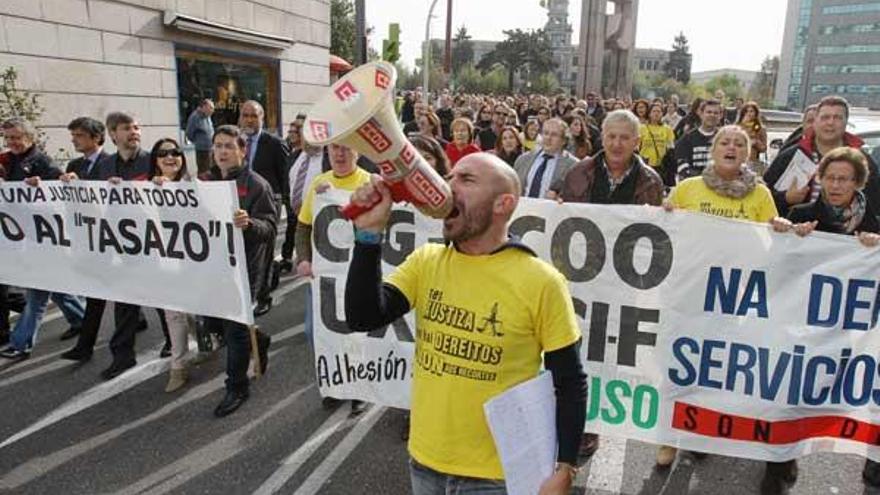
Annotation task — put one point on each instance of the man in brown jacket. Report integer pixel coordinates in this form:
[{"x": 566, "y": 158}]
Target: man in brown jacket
[{"x": 615, "y": 175}]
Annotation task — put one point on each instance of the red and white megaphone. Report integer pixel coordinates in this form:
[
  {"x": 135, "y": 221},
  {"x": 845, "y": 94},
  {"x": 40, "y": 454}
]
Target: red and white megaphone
[{"x": 358, "y": 112}]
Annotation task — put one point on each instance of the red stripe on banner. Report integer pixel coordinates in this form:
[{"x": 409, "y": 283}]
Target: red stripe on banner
[{"x": 712, "y": 423}]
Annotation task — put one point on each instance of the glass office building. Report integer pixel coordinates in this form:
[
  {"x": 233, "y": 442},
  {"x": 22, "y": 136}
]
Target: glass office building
[{"x": 830, "y": 47}]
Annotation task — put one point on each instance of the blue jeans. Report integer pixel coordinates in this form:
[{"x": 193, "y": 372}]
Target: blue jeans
[
  {"x": 426, "y": 481},
  {"x": 24, "y": 336}
]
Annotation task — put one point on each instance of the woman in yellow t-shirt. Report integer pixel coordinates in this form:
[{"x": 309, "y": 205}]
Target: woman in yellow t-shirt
[
  {"x": 657, "y": 138},
  {"x": 728, "y": 187}
]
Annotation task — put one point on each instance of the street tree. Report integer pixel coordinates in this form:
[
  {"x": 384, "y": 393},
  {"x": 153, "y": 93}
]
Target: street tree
[
  {"x": 764, "y": 86},
  {"x": 16, "y": 102},
  {"x": 462, "y": 50},
  {"x": 521, "y": 50},
  {"x": 728, "y": 83},
  {"x": 679, "y": 65},
  {"x": 342, "y": 29}
]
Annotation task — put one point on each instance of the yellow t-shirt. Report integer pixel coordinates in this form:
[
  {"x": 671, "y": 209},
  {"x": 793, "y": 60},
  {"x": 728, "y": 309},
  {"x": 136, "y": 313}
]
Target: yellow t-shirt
[
  {"x": 482, "y": 323},
  {"x": 348, "y": 183},
  {"x": 693, "y": 194},
  {"x": 656, "y": 141}
]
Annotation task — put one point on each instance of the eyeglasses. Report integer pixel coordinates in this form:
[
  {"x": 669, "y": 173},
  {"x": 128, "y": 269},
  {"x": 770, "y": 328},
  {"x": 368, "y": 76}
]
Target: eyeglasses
[
  {"x": 165, "y": 153},
  {"x": 835, "y": 179}
]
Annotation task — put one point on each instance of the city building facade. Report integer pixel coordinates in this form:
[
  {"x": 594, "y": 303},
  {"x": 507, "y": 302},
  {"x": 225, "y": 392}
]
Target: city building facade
[
  {"x": 158, "y": 58},
  {"x": 830, "y": 47}
]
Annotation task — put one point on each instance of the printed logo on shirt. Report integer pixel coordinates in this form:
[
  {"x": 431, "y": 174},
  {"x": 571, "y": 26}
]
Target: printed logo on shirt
[
  {"x": 707, "y": 207},
  {"x": 457, "y": 340}
]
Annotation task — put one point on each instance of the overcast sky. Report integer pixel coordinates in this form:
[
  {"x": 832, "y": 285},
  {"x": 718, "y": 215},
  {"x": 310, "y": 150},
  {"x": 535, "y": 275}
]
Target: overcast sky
[{"x": 743, "y": 33}]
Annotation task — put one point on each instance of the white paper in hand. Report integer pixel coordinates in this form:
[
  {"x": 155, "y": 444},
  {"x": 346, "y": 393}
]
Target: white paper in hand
[
  {"x": 799, "y": 172},
  {"x": 523, "y": 423}
]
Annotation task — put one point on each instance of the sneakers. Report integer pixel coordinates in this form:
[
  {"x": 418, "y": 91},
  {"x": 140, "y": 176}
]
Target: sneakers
[
  {"x": 176, "y": 379},
  {"x": 666, "y": 455},
  {"x": 15, "y": 354}
]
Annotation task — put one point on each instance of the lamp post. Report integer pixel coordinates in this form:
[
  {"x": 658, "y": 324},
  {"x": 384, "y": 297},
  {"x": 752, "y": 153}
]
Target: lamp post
[{"x": 426, "y": 59}]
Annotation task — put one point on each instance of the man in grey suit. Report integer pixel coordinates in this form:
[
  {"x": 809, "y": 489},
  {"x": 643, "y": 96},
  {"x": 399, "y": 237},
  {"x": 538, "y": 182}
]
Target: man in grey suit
[{"x": 541, "y": 168}]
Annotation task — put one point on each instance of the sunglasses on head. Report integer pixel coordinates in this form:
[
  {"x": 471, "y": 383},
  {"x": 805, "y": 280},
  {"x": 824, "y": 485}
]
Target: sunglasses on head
[{"x": 164, "y": 153}]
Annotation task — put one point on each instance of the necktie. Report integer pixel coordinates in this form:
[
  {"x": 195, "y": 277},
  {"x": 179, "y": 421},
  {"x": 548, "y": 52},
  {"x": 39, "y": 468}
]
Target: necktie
[
  {"x": 535, "y": 188},
  {"x": 88, "y": 168},
  {"x": 296, "y": 195},
  {"x": 248, "y": 155}
]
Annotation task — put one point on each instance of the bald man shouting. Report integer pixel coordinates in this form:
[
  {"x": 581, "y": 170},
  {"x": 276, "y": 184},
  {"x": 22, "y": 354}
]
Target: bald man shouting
[{"x": 487, "y": 310}]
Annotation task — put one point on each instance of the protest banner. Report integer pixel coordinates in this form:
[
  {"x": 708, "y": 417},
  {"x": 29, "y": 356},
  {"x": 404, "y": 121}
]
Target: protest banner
[
  {"x": 700, "y": 332},
  {"x": 171, "y": 247}
]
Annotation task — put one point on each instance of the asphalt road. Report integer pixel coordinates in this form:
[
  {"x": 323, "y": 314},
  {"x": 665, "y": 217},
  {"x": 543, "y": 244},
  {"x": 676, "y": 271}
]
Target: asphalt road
[{"x": 63, "y": 430}]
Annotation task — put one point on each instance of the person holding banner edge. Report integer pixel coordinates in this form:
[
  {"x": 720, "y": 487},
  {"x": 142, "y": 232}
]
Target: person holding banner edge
[
  {"x": 346, "y": 175},
  {"x": 479, "y": 272},
  {"x": 840, "y": 209},
  {"x": 727, "y": 188},
  {"x": 257, "y": 218}
]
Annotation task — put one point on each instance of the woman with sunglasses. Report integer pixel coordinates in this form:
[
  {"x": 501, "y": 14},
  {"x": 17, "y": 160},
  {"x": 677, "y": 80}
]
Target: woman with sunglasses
[{"x": 168, "y": 164}]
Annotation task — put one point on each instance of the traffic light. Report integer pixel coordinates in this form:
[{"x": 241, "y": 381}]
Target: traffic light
[{"x": 391, "y": 46}]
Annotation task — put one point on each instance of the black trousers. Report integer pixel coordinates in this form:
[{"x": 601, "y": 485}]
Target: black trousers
[
  {"x": 9, "y": 302},
  {"x": 238, "y": 352},
  {"x": 128, "y": 319},
  {"x": 264, "y": 289},
  {"x": 287, "y": 247},
  {"x": 88, "y": 335}
]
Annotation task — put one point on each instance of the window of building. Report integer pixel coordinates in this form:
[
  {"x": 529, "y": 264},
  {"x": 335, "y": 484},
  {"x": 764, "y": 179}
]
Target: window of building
[
  {"x": 859, "y": 8},
  {"x": 229, "y": 81},
  {"x": 850, "y": 29},
  {"x": 841, "y": 89},
  {"x": 847, "y": 69},
  {"x": 847, "y": 49},
  {"x": 641, "y": 65}
]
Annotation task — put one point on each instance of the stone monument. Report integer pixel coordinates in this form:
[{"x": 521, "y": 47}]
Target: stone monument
[{"x": 607, "y": 47}]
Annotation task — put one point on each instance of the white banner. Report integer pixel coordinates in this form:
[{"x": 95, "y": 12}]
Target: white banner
[
  {"x": 170, "y": 247},
  {"x": 709, "y": 334}
]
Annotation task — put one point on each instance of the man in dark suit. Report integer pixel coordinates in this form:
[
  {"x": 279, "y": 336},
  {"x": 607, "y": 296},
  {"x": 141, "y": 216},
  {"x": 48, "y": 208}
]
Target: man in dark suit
[
  {"x": 87, "y": 136},
  {"x": 268, "y": 156}
]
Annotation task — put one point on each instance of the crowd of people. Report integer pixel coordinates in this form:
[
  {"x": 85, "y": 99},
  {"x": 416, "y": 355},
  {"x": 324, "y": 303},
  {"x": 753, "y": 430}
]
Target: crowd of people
[{"x": 493, "y": 150}]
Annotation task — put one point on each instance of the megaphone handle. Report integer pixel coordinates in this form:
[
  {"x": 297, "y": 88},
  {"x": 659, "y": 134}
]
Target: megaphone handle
[
  {"x": 352, "y": 211},
  {"x": 398, "y": 194}
]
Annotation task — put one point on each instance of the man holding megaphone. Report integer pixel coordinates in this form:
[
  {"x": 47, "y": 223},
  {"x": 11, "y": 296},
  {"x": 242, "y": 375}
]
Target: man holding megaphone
[{"x": 486, "y": 306}]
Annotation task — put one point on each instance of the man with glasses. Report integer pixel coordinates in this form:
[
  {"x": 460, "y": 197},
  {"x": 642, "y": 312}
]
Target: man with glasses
[
  {"x": 827, "y": 133},
  {"x": 541, "y": 168}
]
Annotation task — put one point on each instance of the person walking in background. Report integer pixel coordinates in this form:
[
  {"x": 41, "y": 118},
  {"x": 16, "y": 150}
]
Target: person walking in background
[{"x": 199, "y": 131}]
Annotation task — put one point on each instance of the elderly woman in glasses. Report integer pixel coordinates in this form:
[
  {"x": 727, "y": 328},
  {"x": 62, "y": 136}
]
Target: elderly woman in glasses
[{"x": 839, "y": 209}]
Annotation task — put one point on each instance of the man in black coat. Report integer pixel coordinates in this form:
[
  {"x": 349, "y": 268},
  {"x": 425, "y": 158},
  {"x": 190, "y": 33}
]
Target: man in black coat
[{"x": 268, "y": 156}]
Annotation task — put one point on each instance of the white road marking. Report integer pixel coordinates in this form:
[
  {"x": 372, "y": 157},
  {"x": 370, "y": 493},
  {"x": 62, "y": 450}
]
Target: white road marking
[
  {"x": 197, "y": 462},
  {"x": 606, "y": 467},
  {"x": 98, "y": 394},
  {"x": 295, "y": 461},
  {"x": 343, "y": 449},
  {"x": 36, "y": 360}
]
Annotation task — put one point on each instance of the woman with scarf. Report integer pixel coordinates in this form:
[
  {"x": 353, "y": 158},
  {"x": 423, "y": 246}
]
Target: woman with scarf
[
  {"x": 839, "y": 209},
  {"x": 727, "y": 188}
]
